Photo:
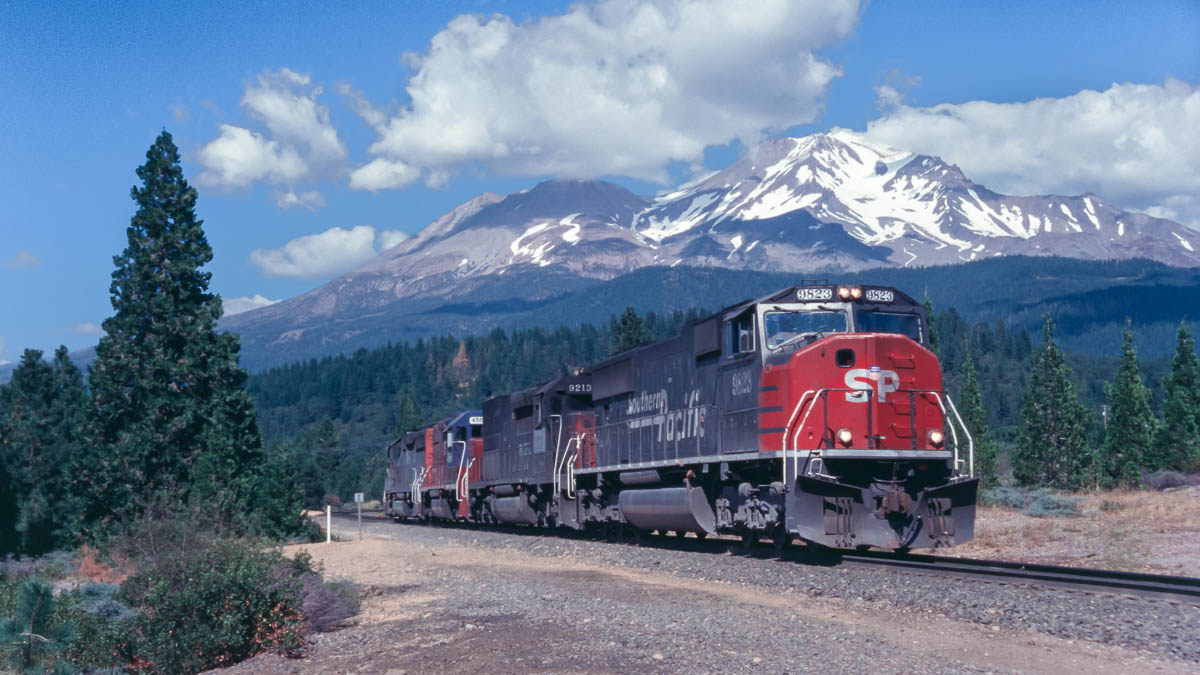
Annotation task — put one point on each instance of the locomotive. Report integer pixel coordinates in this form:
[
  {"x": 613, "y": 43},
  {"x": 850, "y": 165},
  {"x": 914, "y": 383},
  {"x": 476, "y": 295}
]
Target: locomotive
[{"x": 816, "y": 412}]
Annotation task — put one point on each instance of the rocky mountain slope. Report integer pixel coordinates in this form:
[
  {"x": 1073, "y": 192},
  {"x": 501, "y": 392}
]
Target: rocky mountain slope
[{"x": 822, "y": 204}]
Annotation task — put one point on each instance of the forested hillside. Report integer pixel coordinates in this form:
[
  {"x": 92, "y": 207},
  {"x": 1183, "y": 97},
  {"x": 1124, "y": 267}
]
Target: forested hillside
[
  {"x": 336, "y": 415},
  {"x": 1089, "y": 299}
]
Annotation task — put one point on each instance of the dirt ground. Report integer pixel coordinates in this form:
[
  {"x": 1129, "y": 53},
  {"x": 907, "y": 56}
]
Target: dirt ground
[
  {"x": 451, "y": 605},
  {"x": 1136, "y": 531}
]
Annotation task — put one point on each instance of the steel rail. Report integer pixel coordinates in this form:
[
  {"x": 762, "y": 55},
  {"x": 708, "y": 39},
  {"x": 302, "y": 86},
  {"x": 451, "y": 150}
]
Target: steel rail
[
  {"x": 1184, "y": 589},
  {"x": 1161, "y": 587}
]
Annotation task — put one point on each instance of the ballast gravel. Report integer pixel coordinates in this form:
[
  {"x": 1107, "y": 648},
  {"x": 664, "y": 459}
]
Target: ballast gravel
[{"x": 518, "y": 602}]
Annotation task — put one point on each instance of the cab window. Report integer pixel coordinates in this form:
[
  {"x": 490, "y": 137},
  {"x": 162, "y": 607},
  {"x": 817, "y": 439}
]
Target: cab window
[
  {"x": 890, "y": 322},
  {"x": 783, "y": 327},
  {"x": 741, "y": 334}
]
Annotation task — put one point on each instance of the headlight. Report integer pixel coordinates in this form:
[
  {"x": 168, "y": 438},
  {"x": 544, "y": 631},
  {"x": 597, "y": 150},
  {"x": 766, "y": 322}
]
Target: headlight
[
  {"x": 845, "y": 437},
  {"x": 856, "y": 293},
  {"x": 936, "y": 438},
  {"x": 844, "y": 292}
]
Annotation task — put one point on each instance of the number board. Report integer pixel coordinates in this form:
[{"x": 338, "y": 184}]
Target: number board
[
  {"x": 806, "y": 294},
  {"x": 880, "y": 295},
  {"x": 475, "y": 420}
]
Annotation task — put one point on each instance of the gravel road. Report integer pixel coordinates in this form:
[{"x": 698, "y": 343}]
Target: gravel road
[{"x": 453, "y": 600}]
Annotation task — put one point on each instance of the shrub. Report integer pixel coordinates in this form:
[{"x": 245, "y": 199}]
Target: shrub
[
  {"x": 1161, "y": 480},
  {"x": 100, "y": 600},
  {"x": 213, "y": 605},
  {"x": 1032, "y": 501},
  {"x": 327, "y": 605},
  {"x": 1053, "y": 505},
  {"x": 1111, "y": 506},
  {"x": 331, "y": 500}
]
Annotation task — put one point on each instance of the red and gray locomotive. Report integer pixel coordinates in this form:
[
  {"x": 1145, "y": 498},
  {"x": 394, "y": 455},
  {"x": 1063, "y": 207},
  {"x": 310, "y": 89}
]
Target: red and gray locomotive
[{"x": 817, "y": 412}]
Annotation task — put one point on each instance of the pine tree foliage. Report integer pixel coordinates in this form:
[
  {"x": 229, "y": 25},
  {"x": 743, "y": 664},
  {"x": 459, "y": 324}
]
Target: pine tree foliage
[
  {"x": 974, "y": 416},
  {"x": 1052, "y": 448},
  {"x": 1131, "y": 424},
  {"x": 169, "y": 418},
  {"x": 931, "y": 325},
  {"x": 34, "y": 634},
  {"x": 40, "y": 427},
  {"x": 629, "y": 331},
  {"x": 1177, "y": 443}
]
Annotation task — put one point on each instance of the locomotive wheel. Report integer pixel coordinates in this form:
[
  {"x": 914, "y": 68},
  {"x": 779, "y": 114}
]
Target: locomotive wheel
[
  {"x": 749, "y": 539},
  {"x": 782, "y": 541},
  {"x": 699, "y": 535},
  {"x": 680, "y": 534}
]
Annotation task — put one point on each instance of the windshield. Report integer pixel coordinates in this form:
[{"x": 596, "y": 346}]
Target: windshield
[
  {"x": 781, "y": 327},
  {"x": 890, "y": 322}
]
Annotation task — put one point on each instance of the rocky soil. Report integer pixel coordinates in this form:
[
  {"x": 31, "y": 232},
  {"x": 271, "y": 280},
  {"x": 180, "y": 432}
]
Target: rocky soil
[{"x": 459, "y": 599}]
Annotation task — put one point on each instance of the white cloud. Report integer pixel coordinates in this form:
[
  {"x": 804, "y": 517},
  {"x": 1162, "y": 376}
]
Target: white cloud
[
  {"x": 383, "y": 174},
  {"x": 244, "y": 304},
  {"x": 87, "y": 328},
  {"x": 300, "y": 142},
  {"x": 179, "y": 112},
  {"x": 3, "y": 347},
  {"x": 1135, "y": 145},
  {"x": 616, "y": 87},
  {"x": 21, "y": 260},
  {"x": 311, "y": 200},
  {"x": 331, "y": 252},
  {"x": 389, "y": 238}
]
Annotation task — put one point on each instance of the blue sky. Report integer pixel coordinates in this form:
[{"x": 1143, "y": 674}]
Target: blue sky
[{"x": 298, "y": 118}]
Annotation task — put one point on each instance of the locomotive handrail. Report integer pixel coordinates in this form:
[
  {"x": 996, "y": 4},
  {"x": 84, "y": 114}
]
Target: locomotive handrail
[
  {"x": 464, "y": 480},
  {"x": 556, "y": 479},
  {"x": 418, "y": 478},
  {"x": 966, "y": 431},
  {"x": 458, "y": 476},
  {"x": 787, "y": 429}
]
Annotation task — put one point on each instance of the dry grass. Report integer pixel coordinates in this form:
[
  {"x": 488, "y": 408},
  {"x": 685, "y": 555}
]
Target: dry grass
[{"x": 1143, "y": 531}]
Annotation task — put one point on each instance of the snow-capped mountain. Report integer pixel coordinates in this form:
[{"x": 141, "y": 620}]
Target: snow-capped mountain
[
  {"x": 922, "y": 209},
  {"x": 823, "y": 203}
]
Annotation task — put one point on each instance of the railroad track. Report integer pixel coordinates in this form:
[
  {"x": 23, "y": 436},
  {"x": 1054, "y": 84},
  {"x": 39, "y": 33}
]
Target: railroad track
[{"x": 1158, "y": 587}]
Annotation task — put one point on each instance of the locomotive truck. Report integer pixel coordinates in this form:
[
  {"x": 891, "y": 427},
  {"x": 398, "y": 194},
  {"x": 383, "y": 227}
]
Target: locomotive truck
[{"x": 816, "y": 412}]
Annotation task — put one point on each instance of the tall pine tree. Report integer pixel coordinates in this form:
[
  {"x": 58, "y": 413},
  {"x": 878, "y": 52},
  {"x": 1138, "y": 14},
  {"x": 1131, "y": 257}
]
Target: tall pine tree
[
  {"x": 169, "y": 419},
  {"x": 40, "y": 427},
  {"x": 1131, "y": 425},
  {"x": 1177, "y": 443},
  {"x": 1052, "y": 448},
  {"x": 975, "y": 418},
  {"x": 628, "y": 331}
]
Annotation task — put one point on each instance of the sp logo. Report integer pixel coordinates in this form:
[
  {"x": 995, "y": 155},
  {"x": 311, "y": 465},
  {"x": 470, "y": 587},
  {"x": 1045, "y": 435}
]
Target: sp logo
[{"x": 865, "y": 381}]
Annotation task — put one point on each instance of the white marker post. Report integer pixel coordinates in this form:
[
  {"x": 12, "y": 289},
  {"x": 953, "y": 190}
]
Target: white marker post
[
  {"x": 358, "y": 499},
  {"x": 328, "y": 523}
]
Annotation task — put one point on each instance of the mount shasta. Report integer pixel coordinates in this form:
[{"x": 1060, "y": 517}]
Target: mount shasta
[{"x": 823, "y": 203}]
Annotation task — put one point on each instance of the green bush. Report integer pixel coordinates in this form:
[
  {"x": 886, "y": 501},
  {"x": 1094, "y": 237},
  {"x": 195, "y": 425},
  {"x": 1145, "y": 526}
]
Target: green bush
[{"x": 214, "y": 605}]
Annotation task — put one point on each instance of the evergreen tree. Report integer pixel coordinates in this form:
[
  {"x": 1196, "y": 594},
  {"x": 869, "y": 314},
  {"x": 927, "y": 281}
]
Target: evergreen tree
[
  {"x": 975, "y": 418},
  {"x": 40, "y": 428},
  {"x": 408, "y": 417},
  {"x": 1051, "y": 447},
  {"x": 931, "y": 324},
  {"x": 1131, "y": 423},
  {"x": 628, "y": 331},
  {"x": 170, "y": 421},
  {"x": 1177, "y": 443}
]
